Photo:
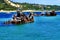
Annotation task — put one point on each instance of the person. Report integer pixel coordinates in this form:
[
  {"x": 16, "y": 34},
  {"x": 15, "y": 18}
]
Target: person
[
  {"x": 18, "y": 13},
  {"x": 14, "y": 19},
  {"x": 30, "y": 17}
]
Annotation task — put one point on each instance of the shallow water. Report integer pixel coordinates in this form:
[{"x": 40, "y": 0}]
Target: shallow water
[{"x": 43, "y": 28}]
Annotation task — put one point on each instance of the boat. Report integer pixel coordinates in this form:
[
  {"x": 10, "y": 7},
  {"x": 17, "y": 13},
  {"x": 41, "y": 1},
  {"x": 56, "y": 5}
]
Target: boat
[{"x": 20, "y": 18}]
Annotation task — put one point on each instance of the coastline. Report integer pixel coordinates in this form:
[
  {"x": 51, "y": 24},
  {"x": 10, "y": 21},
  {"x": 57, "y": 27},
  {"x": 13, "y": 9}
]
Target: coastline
[
  {"x": 28, "y": 11},
  {"x": 7, "y": 11}
]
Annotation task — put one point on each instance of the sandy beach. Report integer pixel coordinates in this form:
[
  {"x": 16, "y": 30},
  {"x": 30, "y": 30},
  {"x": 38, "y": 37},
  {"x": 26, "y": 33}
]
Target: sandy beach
[{"x": 28, "y": 11}]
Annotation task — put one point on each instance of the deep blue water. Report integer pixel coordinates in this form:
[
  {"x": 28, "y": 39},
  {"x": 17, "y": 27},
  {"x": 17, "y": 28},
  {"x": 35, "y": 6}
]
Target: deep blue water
[{"x": 43, "y": 28}]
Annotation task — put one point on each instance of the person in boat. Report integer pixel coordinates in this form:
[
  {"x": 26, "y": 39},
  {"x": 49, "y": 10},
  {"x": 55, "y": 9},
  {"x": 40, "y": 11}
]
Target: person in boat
[
  {"x": 22, "y": 18},
  {"x": 53, "y": 13},
  {"x": 30, "y": 18},
  {"x": 18, "y": 14}
]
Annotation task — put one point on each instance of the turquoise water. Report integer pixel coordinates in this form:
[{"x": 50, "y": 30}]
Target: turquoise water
[{"x": 43, "y": 28}]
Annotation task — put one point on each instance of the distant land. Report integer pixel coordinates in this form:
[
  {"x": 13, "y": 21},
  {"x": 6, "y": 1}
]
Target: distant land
[{"x": 28, "y": 6}]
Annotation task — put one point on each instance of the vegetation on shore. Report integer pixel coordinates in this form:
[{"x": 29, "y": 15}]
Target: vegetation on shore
[{"x": 28, "y": 6}]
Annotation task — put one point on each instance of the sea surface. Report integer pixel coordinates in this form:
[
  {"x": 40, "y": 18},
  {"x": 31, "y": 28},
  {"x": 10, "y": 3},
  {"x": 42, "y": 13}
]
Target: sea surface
[{"x": 43, "y": 28}]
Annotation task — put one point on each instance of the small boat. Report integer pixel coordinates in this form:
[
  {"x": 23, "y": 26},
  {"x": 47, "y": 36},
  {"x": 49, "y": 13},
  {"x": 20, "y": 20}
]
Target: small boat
[
  {"x": 20, "y": 18},
  {"x": 53, "y": 13}
]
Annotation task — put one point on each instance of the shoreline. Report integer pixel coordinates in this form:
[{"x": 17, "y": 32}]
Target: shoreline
[
  {"x": 28, "y": 11},
  {"x": 7, "y": 11}
]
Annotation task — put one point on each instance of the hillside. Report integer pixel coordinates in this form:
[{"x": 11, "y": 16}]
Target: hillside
[
  {"x": 4, "y": 6},
  {"x": 28, "y": 6}
]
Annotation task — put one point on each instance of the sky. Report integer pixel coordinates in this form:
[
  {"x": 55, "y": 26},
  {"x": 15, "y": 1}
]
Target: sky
[{"x": 46, "y": 2}]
